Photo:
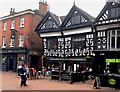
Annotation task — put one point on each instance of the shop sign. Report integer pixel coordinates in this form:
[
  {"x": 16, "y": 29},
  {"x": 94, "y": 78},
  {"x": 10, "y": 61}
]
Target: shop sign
[
  {"x": 117, "y": 60},
  {"x": 112, "y": 81},
  {"x": 112, "y": 60}
]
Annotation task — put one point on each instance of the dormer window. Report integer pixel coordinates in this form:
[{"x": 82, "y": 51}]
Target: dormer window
[{"x": 21, "y": 22}]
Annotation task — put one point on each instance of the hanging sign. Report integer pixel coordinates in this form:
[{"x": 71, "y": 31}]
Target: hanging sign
[{"x": 112, "y": 81}]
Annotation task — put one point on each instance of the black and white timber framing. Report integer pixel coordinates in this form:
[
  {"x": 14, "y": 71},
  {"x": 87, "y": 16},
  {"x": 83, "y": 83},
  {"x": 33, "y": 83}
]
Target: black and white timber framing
[
  {"x": 71, "y": 37},
  {"x": 78, "y": 35},
  {"x": 107, "y": 37},
  {"x": 107, "y": 24}
]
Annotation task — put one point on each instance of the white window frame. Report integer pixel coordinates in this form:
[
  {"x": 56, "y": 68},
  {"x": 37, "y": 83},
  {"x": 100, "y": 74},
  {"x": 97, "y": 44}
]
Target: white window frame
[
  {"x": 22, "y": 22},
  {"x": 5, "y": 25},
  {"x": 13, "y": 24},
  {"x": 3, "y": 42},
  {"x": 109, "y": 38},
  {"x": 12, "y": 42},
  {"x": 21, "y": 40}
]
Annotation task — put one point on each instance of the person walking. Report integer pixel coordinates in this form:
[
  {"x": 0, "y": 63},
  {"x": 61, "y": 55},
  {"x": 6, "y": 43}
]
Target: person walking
[
  {"x": 27, "y": 70},
  {"x": 23, "y": 76},
  {"x": 97, "y": 83}
]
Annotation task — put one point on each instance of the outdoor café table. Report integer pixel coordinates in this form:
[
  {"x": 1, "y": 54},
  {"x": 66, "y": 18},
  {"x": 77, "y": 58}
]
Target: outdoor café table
[{"x": 55, "y": 75}]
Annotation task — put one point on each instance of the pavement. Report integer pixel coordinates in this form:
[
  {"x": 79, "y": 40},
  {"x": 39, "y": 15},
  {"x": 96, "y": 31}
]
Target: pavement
[{"x": 10, "y": 81}]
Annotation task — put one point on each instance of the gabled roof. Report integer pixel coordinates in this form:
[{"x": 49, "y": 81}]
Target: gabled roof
[
  {"x": 87, "y": 17},
  {"x": 56, "y": 19},
  {"x": 104, "y": 16}
]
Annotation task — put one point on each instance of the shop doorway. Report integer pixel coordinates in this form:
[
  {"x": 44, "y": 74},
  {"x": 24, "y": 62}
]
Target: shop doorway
[
  {"x": 10, "y": 64},
  {"x": 35, "y": 62}
]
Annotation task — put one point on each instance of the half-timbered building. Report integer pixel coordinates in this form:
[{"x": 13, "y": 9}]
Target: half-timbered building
[
  {"x": 78, "y": 38},
  {"x": 67, "y": 40},
  {"x": 49, "y": 30},
  {"x": 107, "y": 31}
]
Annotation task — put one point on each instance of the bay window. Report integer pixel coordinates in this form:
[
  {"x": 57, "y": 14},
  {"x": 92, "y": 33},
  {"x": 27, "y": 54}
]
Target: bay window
[{"x": 114, "y": 39}]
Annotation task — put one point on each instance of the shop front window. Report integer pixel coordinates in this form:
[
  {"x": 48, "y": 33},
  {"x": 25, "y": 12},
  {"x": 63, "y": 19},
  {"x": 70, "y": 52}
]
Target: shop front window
[
  {"x": 21, "y": 58},
  {"x": 112, "y": 66},
  {"x": 3, "y": 59}
]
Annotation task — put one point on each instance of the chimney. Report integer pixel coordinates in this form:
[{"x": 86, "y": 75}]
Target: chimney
[
  {"x": 43, "y": 7},
  {"x": 12, "y": 11}
]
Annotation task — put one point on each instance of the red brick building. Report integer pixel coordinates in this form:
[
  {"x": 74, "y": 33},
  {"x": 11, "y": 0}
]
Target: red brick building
[{"x": 19, "y": 42}]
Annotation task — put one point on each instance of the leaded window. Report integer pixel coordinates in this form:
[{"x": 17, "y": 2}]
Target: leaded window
[
  {"x": 67, "y": 46},
  {"x": 51, "y": 43},
  {"x": 101, "y": 40},
  {"x": 75, "y": 19},
  {"x": 114, "y": 39},
  {"x": 49, "y": 24},
  {"x": 118, "y": 12},
  {"x": 114, "y": 12},
  {"x": 89, "y": 44},
  {"x": 78, "y": 42}
]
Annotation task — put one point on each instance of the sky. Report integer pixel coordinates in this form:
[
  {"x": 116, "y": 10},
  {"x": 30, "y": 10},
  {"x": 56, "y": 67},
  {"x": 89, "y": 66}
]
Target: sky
[{"x": 58, "y": 7}]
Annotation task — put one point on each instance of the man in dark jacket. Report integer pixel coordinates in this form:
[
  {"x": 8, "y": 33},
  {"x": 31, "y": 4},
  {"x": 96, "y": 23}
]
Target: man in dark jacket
[{"x": 23, "y": 76}]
